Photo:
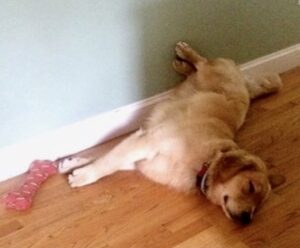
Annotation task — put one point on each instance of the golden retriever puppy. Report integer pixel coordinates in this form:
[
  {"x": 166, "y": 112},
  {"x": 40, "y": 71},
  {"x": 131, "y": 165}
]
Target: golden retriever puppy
[{"x": 191, "y": 131}]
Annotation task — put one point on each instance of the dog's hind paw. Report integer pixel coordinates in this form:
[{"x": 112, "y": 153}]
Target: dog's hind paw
[{"x": 181, "y": 48}]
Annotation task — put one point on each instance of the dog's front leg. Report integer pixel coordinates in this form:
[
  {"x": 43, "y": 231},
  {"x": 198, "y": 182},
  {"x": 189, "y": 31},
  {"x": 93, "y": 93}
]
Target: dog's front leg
[
  {"x": 122, "y": 157},
  {"x": 65, "y": 165}
]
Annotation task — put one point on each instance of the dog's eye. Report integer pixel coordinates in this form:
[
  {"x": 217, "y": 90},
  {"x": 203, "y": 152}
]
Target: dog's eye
[
  {"x": 225, "y": 198},
  {"x": 251, "y": 187}
]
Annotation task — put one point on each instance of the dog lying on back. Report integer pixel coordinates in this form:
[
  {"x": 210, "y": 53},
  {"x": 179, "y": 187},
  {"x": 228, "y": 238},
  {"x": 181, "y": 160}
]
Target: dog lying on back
[{"x": 194, "y": 130}]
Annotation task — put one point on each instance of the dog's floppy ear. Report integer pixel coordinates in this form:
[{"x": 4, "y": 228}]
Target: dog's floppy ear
[
  {"x": 231, "y": 164},
  {"x": 276, "y": 180}
]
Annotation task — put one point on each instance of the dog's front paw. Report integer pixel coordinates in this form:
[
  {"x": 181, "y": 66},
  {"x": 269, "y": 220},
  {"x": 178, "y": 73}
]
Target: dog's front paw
[
  {"x": 181, "y": 48},
  {"x": 67, "y": 164},
  {"x": 83, "y": 176}
]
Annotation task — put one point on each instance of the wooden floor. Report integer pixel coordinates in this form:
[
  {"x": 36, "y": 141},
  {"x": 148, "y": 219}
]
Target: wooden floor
[{"x": 126, "y": 210}]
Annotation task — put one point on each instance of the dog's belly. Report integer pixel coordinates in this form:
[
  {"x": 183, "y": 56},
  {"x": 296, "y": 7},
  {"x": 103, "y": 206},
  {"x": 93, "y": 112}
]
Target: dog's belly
[
  {"x": 182, "y": 132},
  {"x": 198, "y": 107},
  {"x": 184, "y": 126}
]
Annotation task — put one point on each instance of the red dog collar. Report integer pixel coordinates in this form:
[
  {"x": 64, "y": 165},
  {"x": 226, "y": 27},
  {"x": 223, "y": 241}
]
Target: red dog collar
[{"x": 202, "y": 178}]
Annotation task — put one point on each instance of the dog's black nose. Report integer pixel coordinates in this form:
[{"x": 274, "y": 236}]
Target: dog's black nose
[{"x": 245, "y": 218}]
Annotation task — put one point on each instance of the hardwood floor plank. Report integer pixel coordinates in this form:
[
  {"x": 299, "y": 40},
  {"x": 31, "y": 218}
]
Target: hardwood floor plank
[{"x": 10, "y": 227}]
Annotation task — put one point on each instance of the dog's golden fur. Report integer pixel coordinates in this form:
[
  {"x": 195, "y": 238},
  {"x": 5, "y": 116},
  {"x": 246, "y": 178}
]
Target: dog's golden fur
[{"x": 197, "y": 125}]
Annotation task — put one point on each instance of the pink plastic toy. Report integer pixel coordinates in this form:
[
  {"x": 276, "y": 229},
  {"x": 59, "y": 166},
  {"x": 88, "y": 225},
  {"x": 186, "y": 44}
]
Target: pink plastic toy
[{"x": 22, "y": 198}]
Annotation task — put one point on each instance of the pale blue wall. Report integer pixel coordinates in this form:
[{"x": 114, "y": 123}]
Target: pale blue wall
[{"x": 65, "y": 60}]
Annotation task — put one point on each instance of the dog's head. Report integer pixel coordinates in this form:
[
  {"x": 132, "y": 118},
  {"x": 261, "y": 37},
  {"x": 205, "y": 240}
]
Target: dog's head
[{"x": 239, "y": 183}]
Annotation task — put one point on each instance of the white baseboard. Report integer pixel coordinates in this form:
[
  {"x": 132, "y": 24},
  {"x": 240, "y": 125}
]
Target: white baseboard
[
  {"x": 277, "y": 62},
  {"x": 90, "y": 132}
]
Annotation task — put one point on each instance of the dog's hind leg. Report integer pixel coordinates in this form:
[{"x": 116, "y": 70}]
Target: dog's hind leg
[
  {"x": 185, "y": 52},
  {"x": 122, "y": 157},
  {"x": 263, "y": 85},
  {"x": 183, "y": 67}
]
